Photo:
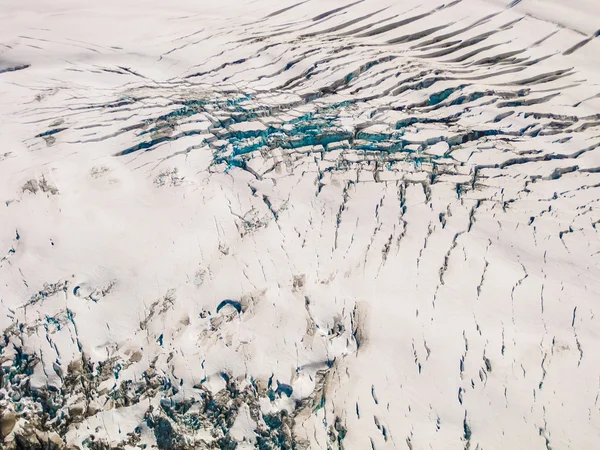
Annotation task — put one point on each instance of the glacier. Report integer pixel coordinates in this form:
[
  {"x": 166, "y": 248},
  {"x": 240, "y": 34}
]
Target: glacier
[{"x": 304, "y": 224}]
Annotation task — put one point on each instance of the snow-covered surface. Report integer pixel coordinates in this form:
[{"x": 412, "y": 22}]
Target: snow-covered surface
[{"x": 314, "y": 224}]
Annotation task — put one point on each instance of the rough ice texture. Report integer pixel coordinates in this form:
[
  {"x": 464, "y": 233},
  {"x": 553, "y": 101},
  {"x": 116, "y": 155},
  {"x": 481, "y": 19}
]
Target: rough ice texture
[{"x": 310, "y": 225}]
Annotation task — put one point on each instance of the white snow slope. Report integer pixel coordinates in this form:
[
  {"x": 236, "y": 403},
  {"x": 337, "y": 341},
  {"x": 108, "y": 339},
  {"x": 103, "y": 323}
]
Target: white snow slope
[{"x": 310, "y": 225}]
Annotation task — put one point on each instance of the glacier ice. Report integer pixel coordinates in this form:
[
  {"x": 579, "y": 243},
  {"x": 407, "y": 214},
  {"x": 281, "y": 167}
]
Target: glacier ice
[{"x": 299, "y": 225}]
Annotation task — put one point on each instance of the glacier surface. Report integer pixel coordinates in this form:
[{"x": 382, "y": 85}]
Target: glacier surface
[{"x": 313, "y": 224}]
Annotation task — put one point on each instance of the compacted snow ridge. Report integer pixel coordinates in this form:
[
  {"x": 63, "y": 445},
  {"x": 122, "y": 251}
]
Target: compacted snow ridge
[{"x": 316, "y": 224}]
